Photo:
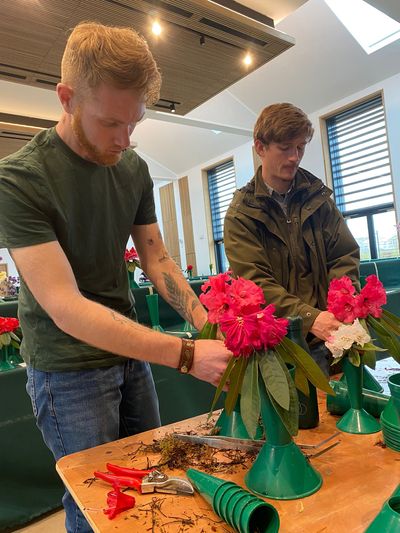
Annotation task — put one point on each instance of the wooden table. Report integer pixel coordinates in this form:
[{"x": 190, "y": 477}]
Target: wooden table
[{"x": 358, "y": 476}]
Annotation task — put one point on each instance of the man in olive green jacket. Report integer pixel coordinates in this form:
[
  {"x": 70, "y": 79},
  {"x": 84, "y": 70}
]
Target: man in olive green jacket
[{"x": 284, "y": 232}]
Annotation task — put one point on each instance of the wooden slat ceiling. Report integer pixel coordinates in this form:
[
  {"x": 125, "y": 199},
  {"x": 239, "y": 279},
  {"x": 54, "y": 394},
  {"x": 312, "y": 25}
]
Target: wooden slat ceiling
[{"x": 33, "y": 36}]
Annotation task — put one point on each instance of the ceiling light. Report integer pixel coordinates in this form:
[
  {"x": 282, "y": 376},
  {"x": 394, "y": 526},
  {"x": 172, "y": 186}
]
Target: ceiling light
[
  {"x": 248, "y": 59},
  {"x": 156, "y": 28},
  {"x": 172, "y": 108},
  {"x": 202, "y": 40}
]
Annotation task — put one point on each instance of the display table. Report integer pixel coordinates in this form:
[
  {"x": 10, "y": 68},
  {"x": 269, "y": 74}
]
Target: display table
[{"x": 358, "y": 475}]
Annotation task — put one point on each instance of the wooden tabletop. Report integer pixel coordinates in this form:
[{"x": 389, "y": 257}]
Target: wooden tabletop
[{"x": 358, "y": 476}]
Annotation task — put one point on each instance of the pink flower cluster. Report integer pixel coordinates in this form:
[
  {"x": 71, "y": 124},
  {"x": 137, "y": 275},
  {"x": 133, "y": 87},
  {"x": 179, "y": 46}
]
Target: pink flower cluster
[
  {"x": 347, "y": 306},
  {"x": 237, "y": 305}
]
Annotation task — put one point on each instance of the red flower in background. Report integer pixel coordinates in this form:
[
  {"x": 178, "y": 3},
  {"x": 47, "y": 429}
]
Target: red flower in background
[
  {"x": 131, "y": 255},
  {"x": 8, "y": 324},
  {"x": 189, "y": 268}
]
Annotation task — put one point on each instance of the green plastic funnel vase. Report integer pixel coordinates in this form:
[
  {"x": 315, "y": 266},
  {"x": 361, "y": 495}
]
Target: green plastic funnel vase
[
  {"x": 244, "y": 511},
  {"x": 233, "y": 426},
  {"x": 356, "y": 419},
  {"x": 280, "y": 471},
  {"x": 369, "y": 381},
  {"x": 152, "y": 305}
]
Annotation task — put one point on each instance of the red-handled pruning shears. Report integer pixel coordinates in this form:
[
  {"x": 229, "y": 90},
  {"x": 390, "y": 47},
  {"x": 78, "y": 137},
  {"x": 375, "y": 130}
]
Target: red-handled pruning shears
[{"x": 144, "y": 481}]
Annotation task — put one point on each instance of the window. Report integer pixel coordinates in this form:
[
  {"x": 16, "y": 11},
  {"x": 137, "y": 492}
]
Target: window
[
  {"x": 221, "y": 186},
  {"x": 361, "y": 176}
]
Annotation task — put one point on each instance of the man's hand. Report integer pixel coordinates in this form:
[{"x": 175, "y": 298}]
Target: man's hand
[
  {"x": 210, "y": 360},
  {"x": 324, "y": 325}
]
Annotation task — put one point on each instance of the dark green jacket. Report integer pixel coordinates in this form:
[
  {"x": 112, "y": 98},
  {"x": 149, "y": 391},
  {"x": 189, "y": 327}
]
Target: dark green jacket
[{"x": 274, "y": 250}]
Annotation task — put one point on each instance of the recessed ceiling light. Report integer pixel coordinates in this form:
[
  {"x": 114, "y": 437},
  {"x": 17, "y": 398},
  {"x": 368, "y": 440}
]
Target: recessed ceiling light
[
  {"x": 248, "y": 59},
  {"x": 156, "y": 28}
]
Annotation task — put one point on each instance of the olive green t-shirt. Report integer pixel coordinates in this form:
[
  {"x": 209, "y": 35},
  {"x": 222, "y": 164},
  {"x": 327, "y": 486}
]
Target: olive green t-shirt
[{"x": 49, "y": 193}]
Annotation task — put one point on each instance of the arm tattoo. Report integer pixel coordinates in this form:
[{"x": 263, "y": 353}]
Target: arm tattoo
[
  {"x": 121, "y": 319},
  {"x": 180, "y": 299}
]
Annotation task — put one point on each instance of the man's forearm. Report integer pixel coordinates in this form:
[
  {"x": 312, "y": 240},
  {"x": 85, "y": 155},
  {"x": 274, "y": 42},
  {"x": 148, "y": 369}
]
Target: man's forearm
[
  {"x": 176, "y": 291},
  {"x": 115, "y": 333}
]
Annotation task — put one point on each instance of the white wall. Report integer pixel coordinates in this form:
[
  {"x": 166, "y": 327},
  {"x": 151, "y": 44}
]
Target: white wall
[
  {"x": 313, "y": 159},
  {"x": 243, "y": 161}
]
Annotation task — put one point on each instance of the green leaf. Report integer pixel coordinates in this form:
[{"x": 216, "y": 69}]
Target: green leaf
[
  {"x": 221, "y": 384},
  {"x": 301, "y": 382},
  {"x": 392, "y": 320},
  {"x": 354, "y": 357},
  {"x": 386, "y": 338},
  {"x": 15, "y": 337},
  {"x": 274, "y": 377},
  {"x": 209, "y": 331},
  {"x": 368, "y": 346},
  {"x": 369, "y": 359},
  {"x": 290, "y": 419},
  {"x": 311, "y": 370},
  {"x": 5, "y": 339},
  {"x": 235, "y": 383},
  {"x": 250, "y": 397}
]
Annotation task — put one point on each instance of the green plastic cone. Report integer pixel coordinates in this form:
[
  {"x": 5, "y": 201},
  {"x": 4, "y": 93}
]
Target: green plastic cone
[
  {"x": 356, "y": 419},
  {"x": 205, "y": 484},
  {"x": 242, "y": 510},
  {"x": 233, "y": 426},
  {"x": 388, "y": 519},
  {"x": 152, "y": 305},
  {"x": 369, "y": 381},
  {"x": 281, "y": 471}
]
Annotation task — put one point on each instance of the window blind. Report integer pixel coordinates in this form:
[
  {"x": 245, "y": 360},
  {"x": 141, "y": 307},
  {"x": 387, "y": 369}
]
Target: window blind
[
  {"x": 221, "y": 186},
  {"x": 359, "y": 157}
]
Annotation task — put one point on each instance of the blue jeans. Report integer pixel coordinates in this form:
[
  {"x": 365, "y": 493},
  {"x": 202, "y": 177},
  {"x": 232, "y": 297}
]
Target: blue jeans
[{"x": 81, "y": 409}]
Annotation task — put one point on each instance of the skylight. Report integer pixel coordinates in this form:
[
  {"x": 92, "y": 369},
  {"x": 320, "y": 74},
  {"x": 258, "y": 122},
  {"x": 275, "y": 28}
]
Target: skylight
[{"x": 369, "y": 26}]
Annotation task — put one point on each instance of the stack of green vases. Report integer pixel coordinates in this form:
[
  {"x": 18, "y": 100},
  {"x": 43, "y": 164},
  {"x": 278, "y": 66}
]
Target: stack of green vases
[
  {"x": 244, "y": 511},
  {"x": 390, "y": 417}
]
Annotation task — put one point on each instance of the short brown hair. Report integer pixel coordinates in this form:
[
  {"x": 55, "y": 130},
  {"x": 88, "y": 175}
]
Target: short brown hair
[
  {"x": 118, "y": 56},
  {"x": 282, "y": 122}
]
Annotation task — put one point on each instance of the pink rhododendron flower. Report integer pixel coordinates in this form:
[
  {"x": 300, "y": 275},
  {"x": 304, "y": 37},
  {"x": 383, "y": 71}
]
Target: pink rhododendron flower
[
  {"x": 215, "y": 296},
  {"x": 246, "y": 296},
  {"x": 272, "y": 329},
  {"x": 341, "y": 300},
  {"x": 345, "y": 308},
  {"x": 371, "y": 298},
  {"x": 241, "y": 332}
]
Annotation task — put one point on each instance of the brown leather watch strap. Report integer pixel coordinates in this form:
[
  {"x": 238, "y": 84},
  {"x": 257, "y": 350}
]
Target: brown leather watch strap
[{"x": 187, "y": 356}]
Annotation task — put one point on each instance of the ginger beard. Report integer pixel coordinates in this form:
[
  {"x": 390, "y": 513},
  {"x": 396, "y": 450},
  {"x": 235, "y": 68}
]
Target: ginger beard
[{"x": 92, "y": 152}]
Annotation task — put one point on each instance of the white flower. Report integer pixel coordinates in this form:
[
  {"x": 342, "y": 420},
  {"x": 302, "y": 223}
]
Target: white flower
[{"x": 345, "y": 336}]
